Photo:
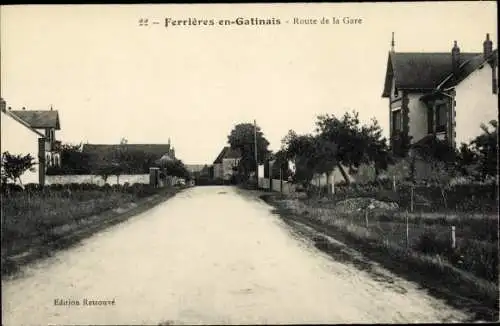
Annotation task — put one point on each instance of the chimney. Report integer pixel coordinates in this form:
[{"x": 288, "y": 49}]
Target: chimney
[
  {"x": 487, "y": 56},
  {"x": 455, "y": 59},
  {"x": 487, "y": 47}
]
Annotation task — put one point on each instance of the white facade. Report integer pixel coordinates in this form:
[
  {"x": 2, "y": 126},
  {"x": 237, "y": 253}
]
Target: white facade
[
  {"x": 218, "y": 171},
  {"x": 335, "y": 177},
  {"x": 19, "y": 140},
  {"x": 417, "y": 112},
  {"x": 475, "y": 104},
  {"x": 417, "y": 117},
  {"x": 96, "y": 179},
  {"x": 227, "y": 167}
]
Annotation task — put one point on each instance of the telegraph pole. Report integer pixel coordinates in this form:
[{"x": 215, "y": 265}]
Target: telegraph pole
[{"x": 255, "y": 144}]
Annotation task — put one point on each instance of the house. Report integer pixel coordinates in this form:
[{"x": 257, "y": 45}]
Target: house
[
  {"x": 101, "y": 154},
  {"x": 207, "y": 171},
  {"x": 194, "y": 168},
  {"x": 448, "y": 94},
  {"x": 31, "y": 132},
  {"x": 135, "y": 158},
  {"x": 225, "y": 163}
]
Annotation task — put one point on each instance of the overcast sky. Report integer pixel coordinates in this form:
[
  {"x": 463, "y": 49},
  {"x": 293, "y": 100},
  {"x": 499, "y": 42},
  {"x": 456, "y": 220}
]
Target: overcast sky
[{"x": 110, "y": 78}]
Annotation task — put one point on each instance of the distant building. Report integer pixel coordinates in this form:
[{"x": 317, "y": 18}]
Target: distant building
[
  {"x": 225, "y": 163},
  {"x": 101, "y": 154},
  {"x": 194, "y": 168},
  {"x": 448, "y": 95}
]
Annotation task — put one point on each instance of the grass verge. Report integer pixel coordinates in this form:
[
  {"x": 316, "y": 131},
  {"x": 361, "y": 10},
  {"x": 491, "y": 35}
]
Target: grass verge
[
  {"x": 460, "y": 288},
  {"x": 35, "y": 224}
]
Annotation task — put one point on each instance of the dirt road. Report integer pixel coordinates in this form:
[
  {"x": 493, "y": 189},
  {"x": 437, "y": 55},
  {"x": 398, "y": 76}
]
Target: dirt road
[{"x": 209, "y": 255}]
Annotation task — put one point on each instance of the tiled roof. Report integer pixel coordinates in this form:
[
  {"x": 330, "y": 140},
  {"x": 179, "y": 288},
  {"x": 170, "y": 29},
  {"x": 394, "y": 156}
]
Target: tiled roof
[
  {"x": 221, "y": 155},
  {"x": 425, "y": 71},
  {"x": 227, "y": 152},
  {"x": 233, "y": 153},
  {"x": 39, "y": 119},
  {"x": 469, "y": 67},
  {"x": 99, "y": 152},
  {"x": 156, "y": 149}
]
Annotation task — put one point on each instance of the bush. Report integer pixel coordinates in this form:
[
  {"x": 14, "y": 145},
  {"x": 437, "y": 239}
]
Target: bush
[
  {"x": 56, "y": 187},
  {"x": 32, "y": 187},
  {"x": 11, "y": 188},
  {"x": 479, "y": 258},
  {"x": 431, "y": 243}
]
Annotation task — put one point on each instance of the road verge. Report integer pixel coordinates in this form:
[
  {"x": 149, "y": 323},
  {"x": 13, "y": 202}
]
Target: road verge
[
  {"x": 66, "y": 235},
  {"x": 458, "y": 288}
]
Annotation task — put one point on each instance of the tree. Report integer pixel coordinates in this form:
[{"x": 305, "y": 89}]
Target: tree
[
  {"x": 175, "y": 168},
  {"x": 355, "y": 144},
  {"x": 467, "y": 161},
  {"x": 440, "y": 156},
  {"x": 280, "y": 166},
  {"x": 485, "y": 147},
  {"x": 242, "y": 138},
  {"x": 14, "y": 166},
  {"x": 400, "y": 143},
  {"x": 115, "y": 163},
  {"x": 73, "y": 161},
  {"x": 325, "y": 157},
  {"x": 301, "y": 149},
  {"x": 104, "y": 171}
]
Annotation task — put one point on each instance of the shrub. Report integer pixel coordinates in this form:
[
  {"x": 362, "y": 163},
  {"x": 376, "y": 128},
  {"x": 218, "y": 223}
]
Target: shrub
[
  {"x": 32, "y": 187},
  {"x": 431, "y": 243},
  {"x": 89, "y": 186},
  {"x": 11, "y": 188},
  {"x": 74, "y": 186},
  {"x": 479, "y": 258},
  {"x": 56, "y": 187}
]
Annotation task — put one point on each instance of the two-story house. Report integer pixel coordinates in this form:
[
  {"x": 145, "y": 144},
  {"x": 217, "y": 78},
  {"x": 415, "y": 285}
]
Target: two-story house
[
  {"x": 225, "y": 163},
  {"x": 444, "y": 94},
  {"x": 21, "y": 132}
]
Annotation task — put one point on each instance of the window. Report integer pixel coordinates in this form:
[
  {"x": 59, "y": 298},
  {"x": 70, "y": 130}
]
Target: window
[
  {"x": 437, "y": 117},
  {"x": 441, "y": 118},
  {"x": 430, "y": 120},
  {"x": 397, "y": 123}
]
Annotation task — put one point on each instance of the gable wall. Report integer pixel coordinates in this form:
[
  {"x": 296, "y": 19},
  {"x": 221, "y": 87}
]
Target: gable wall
[
  {"x": 417, "y": 117},
  {"x": 475, "y": 104},
  {"x": 19, "y": 140}
]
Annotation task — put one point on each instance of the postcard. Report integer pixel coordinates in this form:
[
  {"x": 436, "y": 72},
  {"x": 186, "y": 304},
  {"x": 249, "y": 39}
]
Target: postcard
[{"x": 289, "y": 163}]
